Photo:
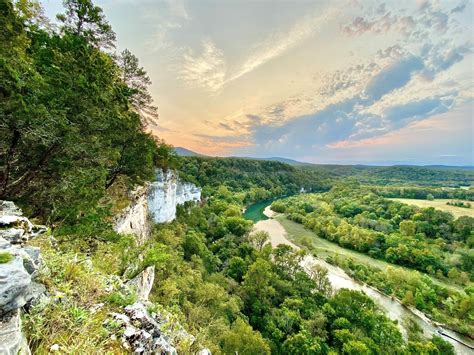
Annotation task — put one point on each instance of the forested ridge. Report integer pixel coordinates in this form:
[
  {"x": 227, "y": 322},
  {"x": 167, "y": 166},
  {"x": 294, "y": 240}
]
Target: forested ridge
[{"x": 73, "y": 120}]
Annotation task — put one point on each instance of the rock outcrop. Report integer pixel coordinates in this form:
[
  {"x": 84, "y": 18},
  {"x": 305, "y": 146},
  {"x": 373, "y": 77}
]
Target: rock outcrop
[
  {"x": 143, "y": 333},
  {"x": 18, "y": 268},
  {"x": 166, "y": 193},
  {"x": 158, "y": 201}
]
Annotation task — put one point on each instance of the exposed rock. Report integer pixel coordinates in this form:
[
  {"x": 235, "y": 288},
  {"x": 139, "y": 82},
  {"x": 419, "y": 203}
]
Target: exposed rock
[
  {"x": 142, "y": 333},
  {"x": 134, "y": 219},
  {"x": 9, "y": 208},
  {"x": 167, "y": 192},
  {"x": 17, "y": 289},
  {"x": 14, "y": 282},
  {"x": 12, "y": 341},
  {"x": 13, "y": 235},
  {"x": 143, "y": 283},
  {"x": 31, "y": 259},
  {"x": 157, "y": 200},
  {"x": 4, "y": 244}
]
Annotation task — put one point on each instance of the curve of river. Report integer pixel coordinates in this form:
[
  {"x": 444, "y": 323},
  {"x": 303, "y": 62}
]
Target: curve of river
[{"x": 339, "y": 279}]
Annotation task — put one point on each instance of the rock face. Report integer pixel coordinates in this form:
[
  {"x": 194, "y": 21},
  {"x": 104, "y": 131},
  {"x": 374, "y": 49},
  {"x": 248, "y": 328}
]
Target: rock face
[
  {"x": 157, "y": 201},
  {"x": 134, "y": 219},
  {"x": 166, "y": 193},
  {"x": 17, "y": 273},
  {"x": 143, "y": 283}
]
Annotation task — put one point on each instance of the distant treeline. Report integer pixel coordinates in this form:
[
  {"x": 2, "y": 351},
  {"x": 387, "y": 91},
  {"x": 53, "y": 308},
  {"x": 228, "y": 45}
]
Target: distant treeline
[
  {"x": 424, "y": 193},
  {"x": 398, "y": 175}
]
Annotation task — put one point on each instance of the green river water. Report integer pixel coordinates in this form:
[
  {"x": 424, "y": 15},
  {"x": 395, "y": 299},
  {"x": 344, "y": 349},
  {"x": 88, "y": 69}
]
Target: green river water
[{"x": 254, "y": 212}]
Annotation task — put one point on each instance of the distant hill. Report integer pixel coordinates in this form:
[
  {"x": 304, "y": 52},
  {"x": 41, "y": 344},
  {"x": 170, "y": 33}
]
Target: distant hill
[
  {"x": 282, "y": 160},
  {"x": 183, "y": 152}
]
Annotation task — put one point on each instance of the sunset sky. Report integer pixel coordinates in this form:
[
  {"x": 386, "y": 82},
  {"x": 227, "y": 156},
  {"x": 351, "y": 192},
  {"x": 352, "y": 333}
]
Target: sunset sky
[{"x": 366, "y": 82}]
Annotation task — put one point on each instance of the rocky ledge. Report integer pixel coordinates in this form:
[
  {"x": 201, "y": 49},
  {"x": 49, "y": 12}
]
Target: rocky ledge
[{"x": 19, "y": 265}]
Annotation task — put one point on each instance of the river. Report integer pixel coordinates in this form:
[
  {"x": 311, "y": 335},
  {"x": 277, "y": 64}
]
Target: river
[{"x": 339, "y": 279}]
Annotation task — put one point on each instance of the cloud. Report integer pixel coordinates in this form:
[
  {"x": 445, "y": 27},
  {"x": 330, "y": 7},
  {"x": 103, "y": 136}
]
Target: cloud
[
  {"x": 211, "y": 60},
  {"x": 167, "y": 16},
  {"x": 459, "y": 8},
  {"x": 393, "y": 77},
  {"x": 206, "y": 69},
  {"x": 350, "y": 120},
  {"x": 280, "y": 42},
  {"x": 425, "y": 19}
]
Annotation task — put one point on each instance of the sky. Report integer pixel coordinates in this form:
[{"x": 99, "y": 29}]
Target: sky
[{"x": 342, "y": 81}]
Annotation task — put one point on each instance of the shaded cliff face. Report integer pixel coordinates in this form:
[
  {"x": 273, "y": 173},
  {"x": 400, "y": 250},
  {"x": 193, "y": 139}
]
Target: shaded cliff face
[{"x": 157, "y": 201}]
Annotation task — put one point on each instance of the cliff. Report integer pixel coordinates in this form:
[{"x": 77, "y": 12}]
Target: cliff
[{"x": 156, "y": 201}]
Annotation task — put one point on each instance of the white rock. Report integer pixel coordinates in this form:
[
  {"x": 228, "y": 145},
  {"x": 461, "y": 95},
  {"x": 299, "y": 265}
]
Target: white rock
[
  {"x": 54, "y": 348},
  {"x": 130, "y": 331},
  {"x": 166, "y": 193},
  {"x": 12, "y": 341}
]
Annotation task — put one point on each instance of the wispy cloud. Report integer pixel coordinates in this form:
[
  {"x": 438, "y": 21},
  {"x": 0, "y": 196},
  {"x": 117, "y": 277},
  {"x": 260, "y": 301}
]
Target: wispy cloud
[
  {"x": 209, "y": 69},
  {"x": 206, "y": 69},
  {"x": 280, "y": 42}
]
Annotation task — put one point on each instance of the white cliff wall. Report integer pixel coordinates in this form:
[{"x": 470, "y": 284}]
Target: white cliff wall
[
  {"x": 166, "y": 193},
  {"x": 157, "y": 201}
]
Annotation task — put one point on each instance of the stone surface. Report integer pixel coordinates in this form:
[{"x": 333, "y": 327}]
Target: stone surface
[
  {"x": 17, "y": 289},
  {"x": 9, "y": 208},
  {"x": 167, "y": 192},
  {"x": 14, "y": 282},
  {"x": 12, "y": 341},
  {"x": 13, "y": 235},
  {"x": 157, "y": 200},
  {"x": 142, "y": 333},
  {"x": 134, "y": 219},
  {"x": 143, "y": 283}
]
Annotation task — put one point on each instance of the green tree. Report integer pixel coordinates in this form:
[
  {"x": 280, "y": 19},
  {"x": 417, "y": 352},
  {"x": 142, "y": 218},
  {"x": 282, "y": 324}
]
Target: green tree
[
  {"x": 303, "y": 344},
  {"x": 83, "y": 18},
  {"x": 242, "y": 339}
]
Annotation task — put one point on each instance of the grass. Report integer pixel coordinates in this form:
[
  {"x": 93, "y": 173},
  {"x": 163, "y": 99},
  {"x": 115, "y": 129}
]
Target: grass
[
  {"x": 439, "y": 204},
  {"x": 77, "y": 314},
  {"x": 5, "y": 257},
  {"x": 323, "y": 248}
]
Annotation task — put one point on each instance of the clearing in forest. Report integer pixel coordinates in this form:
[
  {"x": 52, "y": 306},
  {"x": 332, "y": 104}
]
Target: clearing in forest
[{"x": 440, "y": 204}]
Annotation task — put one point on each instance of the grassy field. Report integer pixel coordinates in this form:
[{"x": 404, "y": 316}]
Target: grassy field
[
  {"x": 323, "y": 248},
  {"x": 439, "y": 204}
]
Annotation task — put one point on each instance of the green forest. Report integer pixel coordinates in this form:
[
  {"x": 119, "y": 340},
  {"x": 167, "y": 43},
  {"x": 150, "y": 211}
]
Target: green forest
[{"x": 74, "y": 118}]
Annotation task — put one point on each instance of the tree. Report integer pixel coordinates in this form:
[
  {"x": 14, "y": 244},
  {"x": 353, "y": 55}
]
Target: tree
[
  {"x": 319, "y": 274},
  {"x": 137, "y": 81},
  {"x": 242, "y": 339},
  {"x": 236, "y": 268},
  {"x": 354, "y": 347},
  {"x": 409, "y": 299},
  {"x": 83, "y": 18},
  {"x": 258, "y": 239},
  {"x": 303, "y": 344},
  {"x": 408, "y": 228}
]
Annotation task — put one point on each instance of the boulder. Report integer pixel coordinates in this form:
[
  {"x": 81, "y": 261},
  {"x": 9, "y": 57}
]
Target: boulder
[
  {"x": 14, "y": 282},
  {"x": 13, "y": 235},
  {"x": 9, "y": 208}
]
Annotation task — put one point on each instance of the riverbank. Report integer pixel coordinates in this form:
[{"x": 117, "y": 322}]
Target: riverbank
[{"x": 339, "y": 279}]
